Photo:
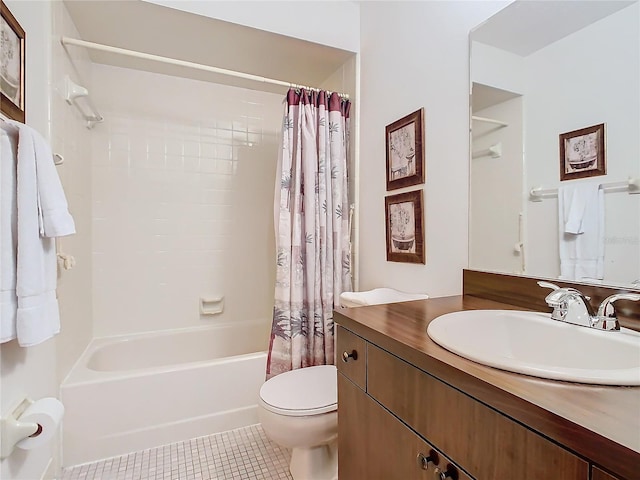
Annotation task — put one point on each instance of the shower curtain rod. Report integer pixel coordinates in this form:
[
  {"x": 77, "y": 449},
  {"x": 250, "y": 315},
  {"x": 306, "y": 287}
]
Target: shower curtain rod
[{"x": 183, "y": 63}]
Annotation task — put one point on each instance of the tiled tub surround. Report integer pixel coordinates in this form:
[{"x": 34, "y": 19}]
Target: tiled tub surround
[
  {"x": 135, "y": 392},
  {"x": 183, "y": 182},
  {"x": 242, "y": 454}
]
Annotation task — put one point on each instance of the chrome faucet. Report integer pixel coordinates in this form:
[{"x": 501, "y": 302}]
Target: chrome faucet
[
  {"x": 571, "y": 306},
  {"x": 607, "y": 319}
]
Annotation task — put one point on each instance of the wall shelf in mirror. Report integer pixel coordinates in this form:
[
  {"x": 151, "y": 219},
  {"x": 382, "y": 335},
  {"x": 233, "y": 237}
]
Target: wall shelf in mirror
[{"x": 489, "y": 120}]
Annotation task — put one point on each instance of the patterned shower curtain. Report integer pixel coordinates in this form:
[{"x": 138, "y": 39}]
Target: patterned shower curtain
[{"x": 312, "y": 230}]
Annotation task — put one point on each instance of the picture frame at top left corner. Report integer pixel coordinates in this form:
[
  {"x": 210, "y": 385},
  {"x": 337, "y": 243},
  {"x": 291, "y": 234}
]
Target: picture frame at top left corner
[{"x": 12, "y": 66}]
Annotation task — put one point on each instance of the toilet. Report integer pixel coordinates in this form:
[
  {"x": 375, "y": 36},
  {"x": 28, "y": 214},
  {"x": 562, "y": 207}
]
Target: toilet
[{"x": 299, "y": 410}]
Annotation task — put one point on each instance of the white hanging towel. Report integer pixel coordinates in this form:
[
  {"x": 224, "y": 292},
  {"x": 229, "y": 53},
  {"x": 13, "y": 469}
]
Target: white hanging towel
[
  {"x": 8, "y": 232},
  {"x": 581, "y": 231},
  {"x": 42, "y": 215}
]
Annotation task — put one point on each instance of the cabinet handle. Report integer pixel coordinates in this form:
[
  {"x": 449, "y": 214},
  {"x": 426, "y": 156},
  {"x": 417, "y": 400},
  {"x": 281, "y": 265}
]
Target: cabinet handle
[
  {"x": 423, "y": 461},
  {"x": 451, "y": 472},
  {"x": 346, "y": 356}
]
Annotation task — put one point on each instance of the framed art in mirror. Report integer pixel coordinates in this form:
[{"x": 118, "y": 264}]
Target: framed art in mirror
[
  {"x": 404, "y": 227},
  {"x": 12, "y": 66},
  {"x": 582, "y": 153},
  {"x": 405, "y": 151}
]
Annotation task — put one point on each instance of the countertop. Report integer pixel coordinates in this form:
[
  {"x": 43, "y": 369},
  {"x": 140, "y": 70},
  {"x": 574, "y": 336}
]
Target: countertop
[{"x": 599, "y": 423}]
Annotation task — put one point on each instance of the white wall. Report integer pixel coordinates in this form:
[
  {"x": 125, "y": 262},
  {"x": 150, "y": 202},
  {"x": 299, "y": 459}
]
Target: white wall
[
  {"x": 415, "y": 54},
  {"x": 183, "y": 181},
  {"x": 603, "y": 58},
  {"x": 31, "y": 371},
  {"x": 332, "y": 23}
]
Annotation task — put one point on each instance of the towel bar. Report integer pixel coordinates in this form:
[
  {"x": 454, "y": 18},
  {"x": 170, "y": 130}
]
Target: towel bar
[{"x": 632, "y": 185}]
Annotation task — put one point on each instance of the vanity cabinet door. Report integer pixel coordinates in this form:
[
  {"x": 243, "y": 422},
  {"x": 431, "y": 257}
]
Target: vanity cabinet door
[
  {"x": 351, "y": 356},
  {"x": 597, "y": 474},
  {"x": 487, "y": 444},
  {"x": 374, "y": 445}
]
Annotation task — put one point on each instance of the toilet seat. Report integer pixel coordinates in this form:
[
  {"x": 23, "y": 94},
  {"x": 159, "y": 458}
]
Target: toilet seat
[{"x": 302, "y": 392}]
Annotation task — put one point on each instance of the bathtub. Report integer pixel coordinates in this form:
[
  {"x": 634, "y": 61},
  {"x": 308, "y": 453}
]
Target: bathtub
[{"x": 130, "y": 393}]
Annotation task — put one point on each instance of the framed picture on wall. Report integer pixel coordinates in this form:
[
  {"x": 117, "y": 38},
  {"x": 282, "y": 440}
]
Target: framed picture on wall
[
  {"x": 404, "y": 225},
  {"x": 405, "y": 151},
  {"x": 582, "y": 153},
  {"x": 12, "y": 70}
]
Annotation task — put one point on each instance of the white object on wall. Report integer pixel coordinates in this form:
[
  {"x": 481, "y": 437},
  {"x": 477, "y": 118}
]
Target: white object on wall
[
  {"x": 494, "y": 151},
  {"x": 72, "y": 94},
  {"x": 211, "y": 305},
  {"x": 631, "y": 185},
  {"x": 176, "y": 61}
]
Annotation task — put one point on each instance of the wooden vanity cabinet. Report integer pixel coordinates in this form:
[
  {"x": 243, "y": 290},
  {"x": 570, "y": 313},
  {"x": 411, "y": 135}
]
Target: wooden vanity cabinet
[
  {"x": 401, "y": 412},
  {"x": 374, "y": 445},
  {"x": 484, "y": 442}
]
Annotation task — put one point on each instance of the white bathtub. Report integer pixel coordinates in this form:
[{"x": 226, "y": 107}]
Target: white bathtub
[{"x": 136, "y": 392}]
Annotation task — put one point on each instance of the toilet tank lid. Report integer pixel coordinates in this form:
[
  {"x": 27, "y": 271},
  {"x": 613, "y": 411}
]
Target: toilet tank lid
[
  {"x": 378, "y": 296},
  {"x": 311, "y": 389}
]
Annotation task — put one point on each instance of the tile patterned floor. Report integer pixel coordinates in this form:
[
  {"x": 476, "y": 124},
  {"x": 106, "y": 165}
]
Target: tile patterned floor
[{"x": 242, "y": 454}]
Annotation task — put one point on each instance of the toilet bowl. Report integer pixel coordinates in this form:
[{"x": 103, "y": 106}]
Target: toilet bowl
[{"x": 299, "y": 410}]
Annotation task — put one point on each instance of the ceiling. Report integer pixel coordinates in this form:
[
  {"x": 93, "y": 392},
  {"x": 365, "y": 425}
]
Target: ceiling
[
  {"x": 525, "y": 26},
  {"x": 158, "y": 30}
]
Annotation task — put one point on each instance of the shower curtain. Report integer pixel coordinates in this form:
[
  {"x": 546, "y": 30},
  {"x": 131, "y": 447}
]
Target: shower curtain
[{"x": 311, "y": 219}]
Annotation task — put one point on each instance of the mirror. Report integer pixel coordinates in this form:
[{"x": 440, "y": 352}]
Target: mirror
[{"x": 539, "y": 70}]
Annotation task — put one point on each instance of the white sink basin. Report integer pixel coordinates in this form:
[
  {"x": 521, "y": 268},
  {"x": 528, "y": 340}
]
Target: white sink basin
[{"x": 533, "y": 344}]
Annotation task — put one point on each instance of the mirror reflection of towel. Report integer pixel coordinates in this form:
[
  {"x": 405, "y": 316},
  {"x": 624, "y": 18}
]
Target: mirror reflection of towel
[
  {"x": 575, "y": 204},
  {"x": 581, "y": 231}
]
